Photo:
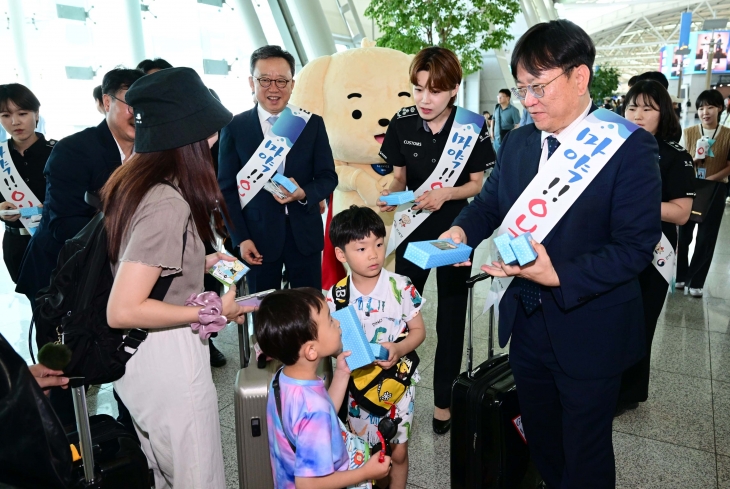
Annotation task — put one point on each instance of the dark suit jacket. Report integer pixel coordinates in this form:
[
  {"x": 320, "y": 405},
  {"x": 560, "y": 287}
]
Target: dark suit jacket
[
  {"x": 263, "y": 220},
  {"x": 595, "y": 317},
  {"x": 78, "y": 163}
]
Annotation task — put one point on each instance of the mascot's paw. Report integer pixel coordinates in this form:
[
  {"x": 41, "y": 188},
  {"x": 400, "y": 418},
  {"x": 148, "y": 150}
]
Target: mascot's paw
[{"x": 54, "y": 356}]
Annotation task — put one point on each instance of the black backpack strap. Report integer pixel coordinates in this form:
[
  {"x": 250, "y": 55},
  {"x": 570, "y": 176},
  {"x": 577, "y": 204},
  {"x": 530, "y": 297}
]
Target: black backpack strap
[
  {"x": 277, "y": 396},
  {"x": 136, "y": 336}
]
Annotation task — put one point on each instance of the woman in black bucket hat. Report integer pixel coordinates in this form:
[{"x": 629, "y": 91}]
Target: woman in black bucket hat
[{"x": 158, "y": 209}]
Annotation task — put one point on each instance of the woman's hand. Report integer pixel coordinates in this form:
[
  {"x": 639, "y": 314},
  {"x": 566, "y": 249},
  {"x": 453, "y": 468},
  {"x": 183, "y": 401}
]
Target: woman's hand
[
  {"x": 214, "y": 258},
  {"x": 6, "y": 206},
  {"x": 48, "y": 378},
  {"x": 382, "y": 206},
  {"x": 432, "y": 200},
  {"x": 394, "y": 355},
  {"x": 232, "y": 310}
]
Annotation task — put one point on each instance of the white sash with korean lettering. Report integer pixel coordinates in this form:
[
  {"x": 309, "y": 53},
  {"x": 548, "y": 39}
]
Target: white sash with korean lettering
[
  {"x": 555, "y": 188},
  {"x": 270, "y": 154},
  {"x": 14, "y": 188},
  {"x": 462, "y": 138}
]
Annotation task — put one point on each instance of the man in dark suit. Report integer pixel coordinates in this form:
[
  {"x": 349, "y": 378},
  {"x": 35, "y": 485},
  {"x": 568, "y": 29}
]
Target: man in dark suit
[
  {"x": 569, "y": 348},
  {"x": 78, "y": 164},
  {"x": 272, "y": 232}
]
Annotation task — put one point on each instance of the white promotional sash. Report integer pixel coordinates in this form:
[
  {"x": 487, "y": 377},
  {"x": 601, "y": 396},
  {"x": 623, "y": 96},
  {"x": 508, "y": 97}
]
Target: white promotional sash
[
  {"x": 556, "y": 187},
  {"x": 463, "y": 136},
  {"x": 14, "y": 188},
  {"x": 664, "y": 258},
  {"x": 270, "y": 154}
]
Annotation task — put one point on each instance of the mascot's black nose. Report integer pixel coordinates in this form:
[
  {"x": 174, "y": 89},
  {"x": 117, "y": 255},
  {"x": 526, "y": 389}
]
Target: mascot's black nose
[{"x": 384, "y": 122}]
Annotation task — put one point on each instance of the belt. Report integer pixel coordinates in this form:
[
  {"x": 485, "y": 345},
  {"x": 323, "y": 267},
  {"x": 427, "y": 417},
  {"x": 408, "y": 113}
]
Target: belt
[{"x": 18, "y": 231}]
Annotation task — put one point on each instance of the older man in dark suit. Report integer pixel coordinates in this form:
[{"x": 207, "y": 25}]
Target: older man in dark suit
[
  {"x": 78, "y": 164},
  {"x": 272, "y": 232},
  {"x": 575, "y": 314}
]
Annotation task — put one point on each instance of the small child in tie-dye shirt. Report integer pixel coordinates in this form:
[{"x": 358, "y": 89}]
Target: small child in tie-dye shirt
[
  {"x": 305, "y": 438},
  {"x": 387, "y": 305}
]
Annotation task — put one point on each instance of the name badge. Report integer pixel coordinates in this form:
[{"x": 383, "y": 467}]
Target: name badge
[{"x": 701, "y": 173}]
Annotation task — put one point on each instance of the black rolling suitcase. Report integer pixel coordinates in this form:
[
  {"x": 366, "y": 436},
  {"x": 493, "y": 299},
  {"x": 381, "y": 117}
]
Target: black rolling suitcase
[
  {"x": 110, "y": 456},
  {"x": 488, "y": 447}
]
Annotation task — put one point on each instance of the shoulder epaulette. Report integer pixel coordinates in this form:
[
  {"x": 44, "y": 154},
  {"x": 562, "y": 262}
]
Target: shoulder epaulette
[
  {"x": 407, "y": 112},
  {"x": 674, "y": 145}
]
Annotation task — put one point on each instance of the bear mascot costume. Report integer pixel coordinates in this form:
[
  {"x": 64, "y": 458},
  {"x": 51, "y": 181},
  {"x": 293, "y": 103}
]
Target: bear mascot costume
[{"x": 356, "y": 92}]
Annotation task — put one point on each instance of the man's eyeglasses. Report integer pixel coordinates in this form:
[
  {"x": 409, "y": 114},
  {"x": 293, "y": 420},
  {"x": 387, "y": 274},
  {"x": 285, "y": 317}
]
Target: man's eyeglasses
[
  {"x": 266, "y": 82},
  {"x": 129, "y": 107},
  {"x": 537, "y": 90}
]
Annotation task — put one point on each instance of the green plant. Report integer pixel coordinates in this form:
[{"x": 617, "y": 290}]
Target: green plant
[
  {"x": 605, "y": 83},
  {"x": 467, "y": 27}
]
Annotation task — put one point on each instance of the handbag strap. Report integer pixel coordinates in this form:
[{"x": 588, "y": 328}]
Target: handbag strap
[{"x": 277, "y": 396}]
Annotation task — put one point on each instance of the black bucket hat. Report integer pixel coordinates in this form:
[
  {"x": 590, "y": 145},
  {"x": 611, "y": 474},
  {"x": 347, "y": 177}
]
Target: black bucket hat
[{"x": 173, "y": 108}]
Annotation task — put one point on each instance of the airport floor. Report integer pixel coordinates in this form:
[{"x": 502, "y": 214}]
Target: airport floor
[{"x": 679, "y": 438}]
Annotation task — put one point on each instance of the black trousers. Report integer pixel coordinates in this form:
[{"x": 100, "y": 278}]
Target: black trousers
[
  {"x": 635, "y": 380},
  {"x": 303, "y": 270},
  {"x": 567, "y": 421},
  {"x": 450, "y": 320},
  {"x": 14, "y": 246},
  {"x": 694, "y": 274}
]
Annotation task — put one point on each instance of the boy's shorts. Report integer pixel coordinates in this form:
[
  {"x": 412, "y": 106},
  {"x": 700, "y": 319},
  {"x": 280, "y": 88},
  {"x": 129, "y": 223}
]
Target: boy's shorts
[{"x": 365, "y": 425}]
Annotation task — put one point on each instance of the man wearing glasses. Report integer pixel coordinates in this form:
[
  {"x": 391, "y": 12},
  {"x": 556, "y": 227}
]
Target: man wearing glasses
[
  {"x": 78, "y": 164},
  {"x": 574, "y": 315},
  {"x": 270, "y": 231}
]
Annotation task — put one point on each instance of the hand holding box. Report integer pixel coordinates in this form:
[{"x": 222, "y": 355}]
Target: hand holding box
[
  {"x": 440, "y": 253},
  {"x": 285, "y": 182},
  {"x": 353, "y": 338}
]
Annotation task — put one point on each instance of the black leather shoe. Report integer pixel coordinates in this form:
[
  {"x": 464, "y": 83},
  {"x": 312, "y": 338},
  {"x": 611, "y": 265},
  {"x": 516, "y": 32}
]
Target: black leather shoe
[
  {"x": 441, "y": 427},
  {"x": 622, "y": 407},
  {"x": 216, "y": 357}
]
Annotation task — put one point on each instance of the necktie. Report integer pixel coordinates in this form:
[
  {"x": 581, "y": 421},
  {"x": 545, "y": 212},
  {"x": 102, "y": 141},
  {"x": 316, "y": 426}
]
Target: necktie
[
  {"x": 530, "y": 291},
  {"x": 272, "y": 120}
]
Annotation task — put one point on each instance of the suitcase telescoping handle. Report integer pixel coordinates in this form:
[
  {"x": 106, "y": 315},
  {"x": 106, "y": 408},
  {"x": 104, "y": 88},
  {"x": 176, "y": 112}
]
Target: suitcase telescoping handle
[
  {"x": 78, "y": 391},
  {"x": 470, "y": 345},
  {"x": 243, "y": 329}
]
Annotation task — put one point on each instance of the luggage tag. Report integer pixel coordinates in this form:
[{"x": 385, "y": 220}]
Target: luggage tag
[
  {"x": 701, "y": 172},
  {"x": 228, "y": 272}
]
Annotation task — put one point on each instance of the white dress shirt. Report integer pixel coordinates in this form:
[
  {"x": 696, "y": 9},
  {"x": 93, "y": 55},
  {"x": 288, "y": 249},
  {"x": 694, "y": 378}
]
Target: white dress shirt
[{"x": 563, "y": 136}]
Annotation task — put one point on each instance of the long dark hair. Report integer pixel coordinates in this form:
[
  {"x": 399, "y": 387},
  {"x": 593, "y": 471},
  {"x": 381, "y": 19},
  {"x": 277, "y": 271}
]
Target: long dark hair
[
  {"x": 189, "y": 167},
  {"x": 654, "y": 95}
]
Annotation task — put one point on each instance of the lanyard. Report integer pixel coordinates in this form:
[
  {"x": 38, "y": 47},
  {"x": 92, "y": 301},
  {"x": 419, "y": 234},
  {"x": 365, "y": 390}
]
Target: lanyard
[{"x": 702, "y": 130}]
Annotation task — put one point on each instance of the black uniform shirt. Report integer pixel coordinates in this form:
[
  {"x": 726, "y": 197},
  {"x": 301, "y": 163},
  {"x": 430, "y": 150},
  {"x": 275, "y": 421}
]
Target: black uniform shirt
[
  {"x": 30, "y": 166},
  {"x": 678, "y": 175},
  {"x": 408, "y": 142}
]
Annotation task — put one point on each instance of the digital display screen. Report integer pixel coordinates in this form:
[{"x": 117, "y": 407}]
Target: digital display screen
[{"x": 696, "y": 61}]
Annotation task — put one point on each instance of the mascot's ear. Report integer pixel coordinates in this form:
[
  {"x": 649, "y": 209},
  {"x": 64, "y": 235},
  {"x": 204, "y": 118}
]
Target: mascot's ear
[{"x": 309, "y": 87}]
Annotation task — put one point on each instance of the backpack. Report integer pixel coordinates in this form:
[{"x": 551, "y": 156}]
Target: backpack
[
  {"x": 72, "y": 309},
  {"x": 372, "y": 387}
]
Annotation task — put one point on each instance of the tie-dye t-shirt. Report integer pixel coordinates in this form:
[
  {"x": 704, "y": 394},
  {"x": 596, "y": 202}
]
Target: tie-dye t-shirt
[{"x": 310, "y": 421}]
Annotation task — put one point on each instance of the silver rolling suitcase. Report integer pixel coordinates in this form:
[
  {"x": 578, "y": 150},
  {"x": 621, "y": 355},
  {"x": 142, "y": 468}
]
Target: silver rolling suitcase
[{"x": 250, "y": 395}]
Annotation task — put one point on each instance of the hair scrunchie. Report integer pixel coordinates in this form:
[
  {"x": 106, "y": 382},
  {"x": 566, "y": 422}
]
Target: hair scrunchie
[{"x": 210, "y": 317}]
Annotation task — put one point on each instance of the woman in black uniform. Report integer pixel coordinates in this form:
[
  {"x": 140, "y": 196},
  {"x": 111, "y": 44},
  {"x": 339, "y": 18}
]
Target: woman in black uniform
[
  {"x": 415, "y": 139},
  {"x": 29, "y": 150},
  {"x": 650, "y": 106}
]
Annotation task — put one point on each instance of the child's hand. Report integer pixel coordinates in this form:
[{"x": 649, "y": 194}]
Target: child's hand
[
  {"x": 375, "y": 469},
  {"x": 341, "y": 365},
  {"x": 394, "y": 355}
]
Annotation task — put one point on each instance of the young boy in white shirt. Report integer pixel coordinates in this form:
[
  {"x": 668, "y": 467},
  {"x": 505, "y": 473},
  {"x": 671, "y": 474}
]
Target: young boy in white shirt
[{"x": 388, "y": 307}]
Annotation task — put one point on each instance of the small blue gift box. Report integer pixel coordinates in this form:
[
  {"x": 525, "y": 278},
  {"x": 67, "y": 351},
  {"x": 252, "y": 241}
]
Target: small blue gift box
[
  {"x": 284, "y": 182},
  {"x": 30, "y": 211},
  {"x": 398, "y": 198},
  {"x": 441, "y": 253},
  {"x": 379, "y": 352},
  {"x": 353, "y": 338},
  {"x": 502, "y": 242},
  {"x": 523, "y": 249}
]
